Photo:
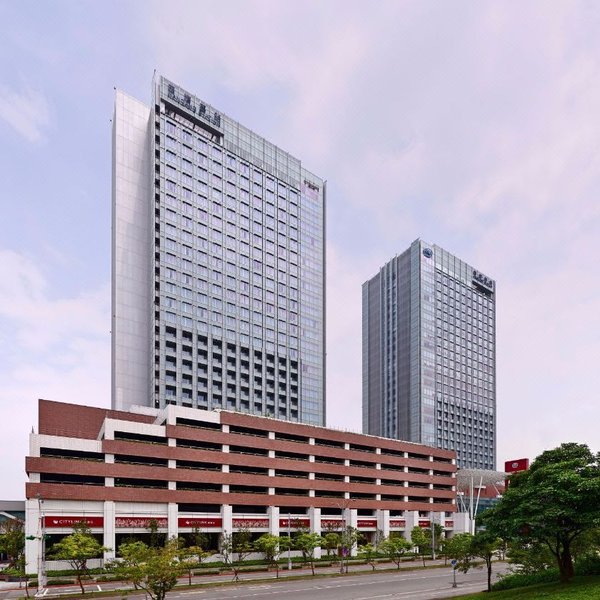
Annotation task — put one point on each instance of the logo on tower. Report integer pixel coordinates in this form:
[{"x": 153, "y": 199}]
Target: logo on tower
[{"x": 427, "y": 252}]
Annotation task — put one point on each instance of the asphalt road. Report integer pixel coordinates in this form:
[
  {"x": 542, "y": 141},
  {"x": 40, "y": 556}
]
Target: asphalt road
[{"x": 420, "y": 584}]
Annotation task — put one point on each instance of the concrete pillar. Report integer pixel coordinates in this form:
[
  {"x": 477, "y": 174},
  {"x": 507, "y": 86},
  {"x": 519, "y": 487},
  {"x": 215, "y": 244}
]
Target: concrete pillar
[
  {"x": 411, "y": 520},
  {"x": 315, "y": 526},
  {"x": 32, "y": 528},
  {"x": 109, "y": 539},
  {"x": 383, "y": 522},
  {"x": 273, "y": 514},
  {"x": 227, "y": 517},
  {"x": 172, "y": 520},
  {"x": 351, "y": 518}
]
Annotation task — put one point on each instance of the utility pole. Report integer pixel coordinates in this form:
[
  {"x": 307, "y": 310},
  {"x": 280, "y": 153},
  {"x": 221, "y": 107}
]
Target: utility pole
[
  {"x": 432, "y": 523},
  {"x": 289, "y": 542}
]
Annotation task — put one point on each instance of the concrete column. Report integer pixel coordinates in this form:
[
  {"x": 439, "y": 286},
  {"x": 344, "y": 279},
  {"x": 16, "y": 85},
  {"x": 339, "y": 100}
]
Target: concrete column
[
  {"x": 172, "y": 522},
  {"x": 109, "y": 539},
  {"x": 411, "y": 519},
  {"x": 32, "y": 528},
  {"x": 273, "y": 514},
  {"x": 351, "y": 518},
  {"x": 227, "y": 517},
  {"x": 383, "y": 522},
  {"x": 315, "y": 526}
]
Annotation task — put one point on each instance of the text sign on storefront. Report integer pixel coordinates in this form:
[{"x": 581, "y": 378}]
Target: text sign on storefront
[
  {"x": 424, "y": 523},
  {"x": 251, "y": 523},
  {"x": 397, "y": 523},
  {"x": 200, "y": 522},
  {"x": 332, "y": 523},
  {"x": 365, "y": 523},
  {"x": 72, "y": 521},
  {"x": 294, "y": 523},
  {"x": 141, "y": 522}
]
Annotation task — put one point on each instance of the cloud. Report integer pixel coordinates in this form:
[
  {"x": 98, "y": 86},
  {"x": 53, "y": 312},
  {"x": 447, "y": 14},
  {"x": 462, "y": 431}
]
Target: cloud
[
  {"x": 52, "y": 347},
  {"x": 26, "y": 111}
]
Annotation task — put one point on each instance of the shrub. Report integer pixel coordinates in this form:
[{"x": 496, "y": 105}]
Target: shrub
[
  {"x": 588, "y": 565},
  {"x": 517, "y": 580}
]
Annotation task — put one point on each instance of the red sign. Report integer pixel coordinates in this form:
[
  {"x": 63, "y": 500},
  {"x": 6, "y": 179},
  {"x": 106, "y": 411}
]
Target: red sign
[
  {"x": 141, "y": 522},
  {"x": 514, "y": 466},
  {"x": 363, "y": 523},
  {"x": 332, "y": 523},
  {"x": 397, "y": 523},
  {"x": 200, "y": 522},
  {"x": 449, "y": 524},
  {"x": 72, "y": 521},
  {"x": 251, "y": 523},
  {"x": 424, "y": 524},
  {"x": 283, "y": 523}
]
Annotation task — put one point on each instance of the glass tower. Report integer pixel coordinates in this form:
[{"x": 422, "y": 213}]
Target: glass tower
[
  {"x": 218, "y": 264},
  {"x": 429, "y": 354}
]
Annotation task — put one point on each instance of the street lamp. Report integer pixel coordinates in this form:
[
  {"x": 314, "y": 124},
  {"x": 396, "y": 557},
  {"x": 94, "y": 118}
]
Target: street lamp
[{"x": 289, "y": 542}]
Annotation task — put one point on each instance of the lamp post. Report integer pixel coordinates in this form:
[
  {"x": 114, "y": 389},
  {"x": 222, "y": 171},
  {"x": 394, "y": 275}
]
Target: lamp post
[
  {"x": 41, "y": 548},
  {"x": 289, "y": 524}
]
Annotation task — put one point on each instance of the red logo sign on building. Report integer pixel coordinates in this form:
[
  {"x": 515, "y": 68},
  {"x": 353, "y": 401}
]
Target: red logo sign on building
[
  {"x": 366, "y": 523},
  {"x": 251, "y": 523},
  {"x": 397, "y": 523},
  {"x": 200, "y": 522},
  {"x": 50, "y": 522},
  {"x": 515, "y": 466},
  {"x": 294, "y": 523}
]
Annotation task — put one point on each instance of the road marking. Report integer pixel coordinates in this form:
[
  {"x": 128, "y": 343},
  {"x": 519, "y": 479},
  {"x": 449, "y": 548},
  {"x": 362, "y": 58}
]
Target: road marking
[{"x": 99, "y": 588}]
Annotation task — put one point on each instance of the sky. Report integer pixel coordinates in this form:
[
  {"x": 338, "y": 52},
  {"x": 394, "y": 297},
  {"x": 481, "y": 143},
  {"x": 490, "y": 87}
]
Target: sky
[{"x": 471, "y": 125}]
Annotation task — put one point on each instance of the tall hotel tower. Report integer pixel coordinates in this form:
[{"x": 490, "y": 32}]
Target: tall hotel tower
[
  {"x": 218, "y": 264},
  {"x": 429, "y": 354}
]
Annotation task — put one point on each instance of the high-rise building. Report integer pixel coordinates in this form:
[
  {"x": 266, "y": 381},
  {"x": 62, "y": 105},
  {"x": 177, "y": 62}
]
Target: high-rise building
[
  {"x": 429, "y": 354},
  {"x": 218, "y": 264}
]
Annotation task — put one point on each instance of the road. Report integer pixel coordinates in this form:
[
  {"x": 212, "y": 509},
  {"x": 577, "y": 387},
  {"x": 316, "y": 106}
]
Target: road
[{"x": 419, "y": 584}]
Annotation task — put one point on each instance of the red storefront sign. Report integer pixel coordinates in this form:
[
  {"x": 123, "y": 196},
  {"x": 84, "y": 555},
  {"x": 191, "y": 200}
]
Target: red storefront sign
[
  {"x": 332, "y": 523},
  {"x": 251, "y": 523},
  {"x": 424, "y": 523},
  {"x": 200, "y": 522},
  {"x": 514, "y": 466},
  {"x": 297, "y": 523},
  {"x": 141, "y": 522},
  {"x": 449, "y": 524},
  {"x": 50, "y": 522},
  {"x": 397, "y": 523},
  {"x": 364, "y": 523}
]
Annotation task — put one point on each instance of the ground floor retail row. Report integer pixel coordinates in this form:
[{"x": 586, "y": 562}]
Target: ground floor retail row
[{"x": 116, "y": 522}]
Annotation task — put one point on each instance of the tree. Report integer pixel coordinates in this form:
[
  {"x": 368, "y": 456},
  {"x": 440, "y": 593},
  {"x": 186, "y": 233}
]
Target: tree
[
  {"x": 12, "y": 543},
  {"x": 232, "y": 544},
  {"x": 395, "y": 548},
  {"x": 307, "y": 543},
  {"x": 331, "y": 541},
  {"x": 419, "y": 539},
  {"x": 77, "y": 549},
  {"x": 12, "y": 540},
  {"x": 553, "y": 503},
  {"x": 153, "y": 570},
  {"x": 485, "y": 545},
  {"x": 271, "y": 546},
  {"x": 458, "y": 548},
  {"x": 369, "y": 553},
  {"x": 348, "y": 539}
]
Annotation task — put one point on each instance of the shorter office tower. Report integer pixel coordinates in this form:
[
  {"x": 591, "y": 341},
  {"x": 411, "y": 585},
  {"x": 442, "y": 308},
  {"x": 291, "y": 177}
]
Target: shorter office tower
[
  {"x": 184, "y": 469},
  {"x": 429, "y": 354}
]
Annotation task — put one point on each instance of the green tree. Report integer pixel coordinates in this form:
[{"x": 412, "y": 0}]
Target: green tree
[
  {"x": 458, "y": 548},
  {"x": 485, "y": 545},
  {"x": 232, "y": 544},
  {"x": 153, "y": 570},
  {"x": 369, "y": 553},
  {"x": 331, "y": 541},
  {"x": 271, "y": 546},
  {"x": 394, "y": 548},
  {"x": 77, "y": 549},
  {"x": 349, "y": 538},
  {"x": 12, "y": 540},
  {"x": 421, "y": 540},
  {"x": 307, "y": 543},
  {"x": 553, "y": 503}
]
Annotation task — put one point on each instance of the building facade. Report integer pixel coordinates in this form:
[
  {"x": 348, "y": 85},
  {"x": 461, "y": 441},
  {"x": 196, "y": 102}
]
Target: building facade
[
  {"x": 220, "y": 471},
  {"x": 218, "y": 266},
  {"x": 429, "y": 354}
]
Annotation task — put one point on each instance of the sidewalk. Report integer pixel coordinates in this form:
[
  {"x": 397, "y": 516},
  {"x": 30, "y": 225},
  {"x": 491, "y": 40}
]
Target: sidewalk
[{"x": 13, "y": 592}]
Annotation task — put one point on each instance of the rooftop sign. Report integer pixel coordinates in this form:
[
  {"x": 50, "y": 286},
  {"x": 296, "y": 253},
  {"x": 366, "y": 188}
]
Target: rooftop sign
[
  {"x": 483, "y": 281},
  {"x": 196, "y": 107}
]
